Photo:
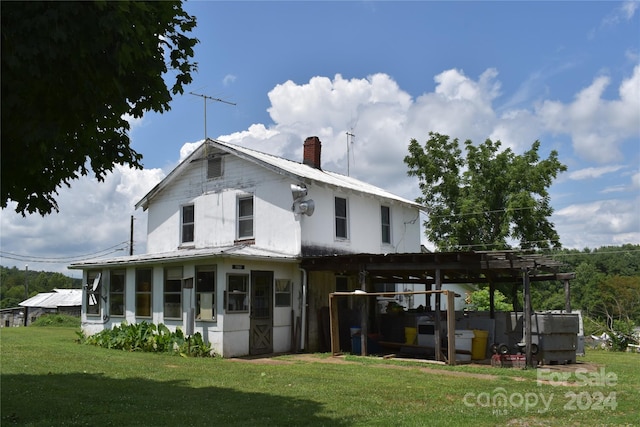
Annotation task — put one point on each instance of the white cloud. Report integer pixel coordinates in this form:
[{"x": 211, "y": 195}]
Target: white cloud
[
  {"x": 622, "y": 13},
  {"x": 598, "y": 127},
  {"x": 229, "y": 79},
  {"x": 188, "y": 148},
  {"x": 601, "y": 223},
  {"x": 590, "y": 173},
  {"x": 93, "y": 216}
]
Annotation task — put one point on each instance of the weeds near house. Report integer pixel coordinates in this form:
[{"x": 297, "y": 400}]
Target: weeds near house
[{"x": 148, "y": 337}]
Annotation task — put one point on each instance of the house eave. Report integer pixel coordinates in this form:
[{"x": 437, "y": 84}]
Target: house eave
[{"x": 232, "y": 252}]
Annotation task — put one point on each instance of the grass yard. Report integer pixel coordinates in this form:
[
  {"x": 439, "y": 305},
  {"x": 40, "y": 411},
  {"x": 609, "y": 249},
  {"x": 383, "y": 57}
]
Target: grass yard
[{"x": 47, "y": 379}]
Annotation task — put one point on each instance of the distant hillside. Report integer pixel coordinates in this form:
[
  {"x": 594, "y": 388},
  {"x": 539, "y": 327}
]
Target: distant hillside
[{"x": 12, "y": 282}]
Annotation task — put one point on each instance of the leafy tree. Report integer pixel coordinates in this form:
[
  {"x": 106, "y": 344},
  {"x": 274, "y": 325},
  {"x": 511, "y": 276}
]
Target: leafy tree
[
  {"x": 482, "y": 200},
  {"x": 479, "y": 300},
  {"x": 71, "y": 74}
]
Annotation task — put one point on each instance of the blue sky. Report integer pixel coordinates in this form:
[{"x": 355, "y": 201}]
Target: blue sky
[{"x": 564, "y": 73}]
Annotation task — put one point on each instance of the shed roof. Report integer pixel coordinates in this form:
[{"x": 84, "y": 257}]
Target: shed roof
[
  {"x": 55, "y": 299},
  {"x": 295, "y": 170},
  {"x": 454, "y": 267}
]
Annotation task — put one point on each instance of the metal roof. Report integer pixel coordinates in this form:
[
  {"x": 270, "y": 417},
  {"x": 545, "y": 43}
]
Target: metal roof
[
  {"x": 57, "y": 298},
  {"x": 236, "y": 251},
  {"x": 295, "y": 170}
]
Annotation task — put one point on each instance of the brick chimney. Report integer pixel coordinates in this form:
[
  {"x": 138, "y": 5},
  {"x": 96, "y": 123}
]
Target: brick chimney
[{"x": 311, "y": 155}]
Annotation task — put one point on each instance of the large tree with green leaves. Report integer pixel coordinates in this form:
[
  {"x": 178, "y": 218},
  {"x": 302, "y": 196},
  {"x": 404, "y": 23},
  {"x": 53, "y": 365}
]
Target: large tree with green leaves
[
  {"x": 72, "y": 72},
  {"x": 486, "y": 198}
]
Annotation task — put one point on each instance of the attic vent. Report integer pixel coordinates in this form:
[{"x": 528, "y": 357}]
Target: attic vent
[{"x": 214, "y": 167}]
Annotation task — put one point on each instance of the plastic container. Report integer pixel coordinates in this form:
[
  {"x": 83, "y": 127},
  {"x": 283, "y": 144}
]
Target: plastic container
[
  {"x": 410, "y": 335},
  {"x": 479, "y": 344},
  {"x": 463, "y": 342}
]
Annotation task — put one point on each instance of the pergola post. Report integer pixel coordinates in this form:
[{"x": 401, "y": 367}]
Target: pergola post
[
  {"x": 364, "y": 314},
  {"x": 436, "y": 333},
  {"x": 451, "y": 327},
  {"x": 527, "y": 317},
  {"x": 333, "y": 325},
  {"x": 492, "y": 300},
  {"x": 567, "y": 296}
]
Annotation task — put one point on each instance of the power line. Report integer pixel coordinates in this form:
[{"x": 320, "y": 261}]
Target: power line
[{"x": 60, "y": 260}]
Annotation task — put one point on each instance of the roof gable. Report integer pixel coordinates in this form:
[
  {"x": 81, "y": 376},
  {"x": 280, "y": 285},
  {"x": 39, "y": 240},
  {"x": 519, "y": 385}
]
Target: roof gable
[{"x": 279, "y": 165}]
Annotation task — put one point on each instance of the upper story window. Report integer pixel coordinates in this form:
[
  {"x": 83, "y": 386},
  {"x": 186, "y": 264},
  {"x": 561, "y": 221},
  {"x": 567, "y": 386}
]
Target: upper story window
[
  {"x": 245, "y": 217},
  {"x": 341, "y": 212},
  {"x": 385, "y": 220},
  {"x": 188, "y": 224},
  {"x": 214, "y": 167},
  {"x": 116, "y": 293}
]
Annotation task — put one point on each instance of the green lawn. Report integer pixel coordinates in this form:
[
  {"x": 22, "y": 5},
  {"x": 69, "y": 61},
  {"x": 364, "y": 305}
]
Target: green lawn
[{"x": 47, "y": 379}]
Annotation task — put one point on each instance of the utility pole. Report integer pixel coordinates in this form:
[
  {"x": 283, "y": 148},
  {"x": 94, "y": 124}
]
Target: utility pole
[
  {"x": 26, "y": 293},
  {"x": 131, "y": 237},
  {"x": 205, "y": 97}
]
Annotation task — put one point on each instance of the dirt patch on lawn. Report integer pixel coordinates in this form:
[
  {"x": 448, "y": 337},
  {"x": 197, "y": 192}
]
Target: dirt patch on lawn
[{"x": 273, "y": 359}]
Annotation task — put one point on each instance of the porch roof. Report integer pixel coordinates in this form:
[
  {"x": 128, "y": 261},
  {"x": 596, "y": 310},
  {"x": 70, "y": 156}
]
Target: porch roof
[
  {"x": 454, "y": 267},
  {"x": 234, "y": 251}
]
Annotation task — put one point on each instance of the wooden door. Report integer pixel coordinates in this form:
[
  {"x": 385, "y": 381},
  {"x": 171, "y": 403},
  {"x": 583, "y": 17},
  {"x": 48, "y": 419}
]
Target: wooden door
[{"x": 261, "y": 325}]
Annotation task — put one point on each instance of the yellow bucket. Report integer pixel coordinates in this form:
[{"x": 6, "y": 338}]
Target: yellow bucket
[
  {"x": 410, "y": 335},
  {"x": 479, "y": 344}
]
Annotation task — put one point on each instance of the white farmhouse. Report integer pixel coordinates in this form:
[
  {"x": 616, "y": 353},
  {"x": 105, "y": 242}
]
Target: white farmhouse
[{"x": 227, "y": 230}]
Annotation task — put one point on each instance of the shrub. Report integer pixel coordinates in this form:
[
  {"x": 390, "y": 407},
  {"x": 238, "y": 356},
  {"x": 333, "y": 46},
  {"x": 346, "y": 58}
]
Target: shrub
[
  {"x": 57, "y": 320},
  {"x": 148, "y": 337}
]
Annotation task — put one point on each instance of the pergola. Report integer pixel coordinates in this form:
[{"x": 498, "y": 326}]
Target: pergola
[{"x": 438, "y": 268}]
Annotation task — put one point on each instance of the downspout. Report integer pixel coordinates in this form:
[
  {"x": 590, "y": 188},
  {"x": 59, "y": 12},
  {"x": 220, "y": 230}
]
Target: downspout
[{"x": 303, "y": 310}]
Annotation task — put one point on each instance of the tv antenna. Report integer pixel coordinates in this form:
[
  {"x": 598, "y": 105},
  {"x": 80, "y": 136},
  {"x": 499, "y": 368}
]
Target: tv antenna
[
  {"x": 205, "y": 97},
  {"x": 350, "y": 138}
]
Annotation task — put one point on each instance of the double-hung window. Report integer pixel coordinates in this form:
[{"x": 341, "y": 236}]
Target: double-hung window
[
  {"x": 385, "y": 220},
  {"x": 144, "y": 292},
  {"x": 245, "y": 217},
  {"x": 173, "y": 293},
  {"x": 116, "y": 293},
  {"x": 341, "y": 214},
  {"x": 188, "y": 224},
  {"x": 206, "y": 293}
]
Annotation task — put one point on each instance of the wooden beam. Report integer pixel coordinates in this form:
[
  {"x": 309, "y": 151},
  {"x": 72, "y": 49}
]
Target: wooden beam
[
  {"x": 333, "y": 325},
  {"x": 364, "y": 314},
  {"x": 436, "y": 333},
  {"x": 451, "y": 327},
  {"x": 567, "y": 296},
  {"x": 527, "y": 317}
]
